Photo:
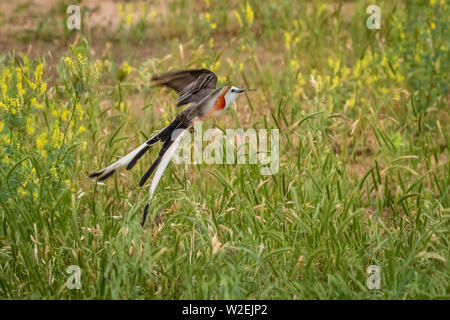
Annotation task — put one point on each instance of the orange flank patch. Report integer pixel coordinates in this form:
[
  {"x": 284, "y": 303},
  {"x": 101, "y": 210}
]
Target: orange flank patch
[
  {"x": 220, "y": 103},
  {"x": 218, "y": 106}
]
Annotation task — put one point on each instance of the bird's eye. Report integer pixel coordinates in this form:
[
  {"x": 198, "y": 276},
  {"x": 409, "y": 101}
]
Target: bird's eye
[{"x": 232, "y": 90}]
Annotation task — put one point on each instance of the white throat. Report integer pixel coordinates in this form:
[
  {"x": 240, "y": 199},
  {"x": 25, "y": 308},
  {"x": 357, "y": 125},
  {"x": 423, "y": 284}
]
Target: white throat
[{"x": 232, "y": 94}]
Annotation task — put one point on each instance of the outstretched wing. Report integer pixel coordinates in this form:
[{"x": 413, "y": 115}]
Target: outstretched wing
[{"x": 191, "y": 85}]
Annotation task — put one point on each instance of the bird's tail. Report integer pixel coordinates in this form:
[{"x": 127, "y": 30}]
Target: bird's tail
[
  {"x": 126, "y": 160},
  {"x": 131, "y": 159},
  {"x": 171, "y": 136},
  {"x": 165, "y": 155}
]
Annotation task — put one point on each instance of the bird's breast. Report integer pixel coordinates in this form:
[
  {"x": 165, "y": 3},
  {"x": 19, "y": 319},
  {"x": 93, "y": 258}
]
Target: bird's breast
[
  {"x": 216, "y": 109},
  {"x": 220, "y": 103}
]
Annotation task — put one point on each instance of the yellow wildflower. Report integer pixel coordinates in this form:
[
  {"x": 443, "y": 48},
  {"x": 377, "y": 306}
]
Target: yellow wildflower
[
  {"x": 20, "y": 90},
  {"x": 81, "y": 129},
  {"x": 287, "y": 40},
  {"x": 144, "y": 9},
  {"x": 69, "y": 62},
  {"x": 4, "y": 88},
  {"x": 6, "y": 138},
  {"x": 22, "y": 191},
  {"x": 322, "y": 8},
  {"x": 31, "y": 85},
  {"x": 41, "y": 141},
  {"x": 330, "y": 103},
  {"x": 249, "y": 13},
  {"x": 29, "y": 126},
  {"x": 98, "y": 67},
  {"x": 330, "y": 62},
  {"x": 351, "y": 102},
  {"x": 400, "y": 78},
  {"x": 125, "y": 69},
  {"x": 64, "y": 114},
  {"x": 337, "y": 66},
  {"x": 79, "y": 111},
  {"x": 239, "y": 19},
  {"x": 215, "y": 66},
  {"x": 335, "y": 82},
  {"x": 294, "y": 64},
  {"x": 121, "y": 11},
  {"x": 38, "y": 73},
  {"x": 80, "y": 58},
  {"x": 43, "y": 88},
  {"x": 107, "y": 64},
  {"x": 55, "y": 112},
  {"x": 54, "y": 172},
  {"x": 356, "y": 69},
  {"x": 300, "y": 80},
  {"x": 130, "y": 15},
  {"x": 57, "y": 137},
  {"x": 5, "y": 159}
]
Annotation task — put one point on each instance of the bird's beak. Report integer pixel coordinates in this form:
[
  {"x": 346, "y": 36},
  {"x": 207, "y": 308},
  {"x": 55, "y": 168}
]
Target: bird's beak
[{"x": 245, "y": 90}]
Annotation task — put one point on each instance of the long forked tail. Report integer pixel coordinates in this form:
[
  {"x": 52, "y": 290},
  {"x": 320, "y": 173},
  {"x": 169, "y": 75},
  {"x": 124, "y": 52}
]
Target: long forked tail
[
  {"x": 130, "y": 159},
  {"x": 166, "y": 153},
  {"x": 171, "y": 136},
  {"x": 126, "y": 160}
]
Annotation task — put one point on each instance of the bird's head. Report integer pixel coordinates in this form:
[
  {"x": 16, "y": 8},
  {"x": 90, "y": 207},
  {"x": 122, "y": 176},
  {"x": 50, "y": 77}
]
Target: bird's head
[{"x": 232, "y": 94}]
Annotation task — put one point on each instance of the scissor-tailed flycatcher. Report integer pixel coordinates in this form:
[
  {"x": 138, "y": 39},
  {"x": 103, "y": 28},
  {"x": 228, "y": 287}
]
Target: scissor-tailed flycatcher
[{"x": 197, "y": 87}]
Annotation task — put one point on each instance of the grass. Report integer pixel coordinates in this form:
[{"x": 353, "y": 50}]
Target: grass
[{"x": 364, "y": 173}]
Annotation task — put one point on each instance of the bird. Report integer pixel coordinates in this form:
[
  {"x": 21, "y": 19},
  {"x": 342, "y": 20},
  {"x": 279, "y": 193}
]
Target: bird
[{"x": 196, "y": 88}]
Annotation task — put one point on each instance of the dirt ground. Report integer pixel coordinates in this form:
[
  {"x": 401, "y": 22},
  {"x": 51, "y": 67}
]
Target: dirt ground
[{"x": 36, "y": 27}]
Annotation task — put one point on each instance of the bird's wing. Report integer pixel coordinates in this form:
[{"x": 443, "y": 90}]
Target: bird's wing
[{"x": 191, "y": 85}]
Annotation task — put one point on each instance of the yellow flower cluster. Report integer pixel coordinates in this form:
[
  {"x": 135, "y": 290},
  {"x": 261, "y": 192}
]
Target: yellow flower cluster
[
  {"x": 70, "y": 63},
  {"x": 41, "y": 141},
  {"x": 248, "y": 13},
  {"x": 208, "y": 19},
  {"x": 20, "y": 89},
  {"x": 124, "y": 70}
]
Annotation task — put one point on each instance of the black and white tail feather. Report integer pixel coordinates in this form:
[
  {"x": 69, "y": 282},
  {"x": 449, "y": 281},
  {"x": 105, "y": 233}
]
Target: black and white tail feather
[{"x": 170, "y": 136}]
